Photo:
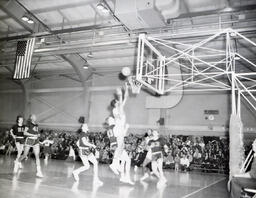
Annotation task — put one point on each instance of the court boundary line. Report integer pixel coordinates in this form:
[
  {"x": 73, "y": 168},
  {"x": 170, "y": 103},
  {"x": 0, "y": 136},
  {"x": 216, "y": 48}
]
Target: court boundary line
[
  {"x": 44, "y": 185},
  {"x": 200, "y": 189},
  {"x": 56, "y": 187}
]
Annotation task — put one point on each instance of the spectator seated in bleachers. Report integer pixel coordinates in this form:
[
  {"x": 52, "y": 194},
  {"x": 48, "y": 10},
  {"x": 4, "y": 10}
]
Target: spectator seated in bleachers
[
  {"x": 168, "y": 161},
  {"x": 139, "y": 157},
  {"x": 177, "y": 162},
  {"x": 184, "y": 163}
]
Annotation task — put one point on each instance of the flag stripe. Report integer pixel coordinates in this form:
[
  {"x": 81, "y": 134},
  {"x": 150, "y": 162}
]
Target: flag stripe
[
  {"x": 23, "y": 63},
  {"x": 32, "y": 43},
  {"x": 23, "y": 58},
  {"x": 26, "y": 60}
]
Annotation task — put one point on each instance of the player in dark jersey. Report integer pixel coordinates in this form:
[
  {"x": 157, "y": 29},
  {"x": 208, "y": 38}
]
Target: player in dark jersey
[
  {"x": 156, "y": 147},
  {"x": 147, "y": 165},
  {"x": 31, "y": 133},
  {"x": 112, "y": 138},
  {"x": 86, "y": 155},
  {"x": 17, "y": 132}
]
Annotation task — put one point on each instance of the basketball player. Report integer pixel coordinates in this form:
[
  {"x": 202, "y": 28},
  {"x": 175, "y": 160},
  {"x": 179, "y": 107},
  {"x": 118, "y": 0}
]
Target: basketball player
[
  {"x": 17, "y": 132},
  {"x": 86, "y": 155},
  {"x": 156, "y": 147},
  {"x": 147, "y": 165},
  {"x": 125, "y": 165},
  {"x": 113, "y": 144},
  {"x": 120, "y": 126},
  {"x": 32, "y": 140},
  {"x": 47, "y": 148},
  {"x": 110, "y": 134}
]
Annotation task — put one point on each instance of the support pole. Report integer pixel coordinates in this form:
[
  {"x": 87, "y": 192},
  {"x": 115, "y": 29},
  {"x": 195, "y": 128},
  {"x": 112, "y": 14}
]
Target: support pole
[
  {"x": 233, "y": 94},
  {"x": 26, "y": 98},
  {"x": 236, "y": 149},
  {"x": 76, "y": 62}
]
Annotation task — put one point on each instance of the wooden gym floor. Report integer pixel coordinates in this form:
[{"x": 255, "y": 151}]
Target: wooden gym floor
[{"x": 59, "y": 183}]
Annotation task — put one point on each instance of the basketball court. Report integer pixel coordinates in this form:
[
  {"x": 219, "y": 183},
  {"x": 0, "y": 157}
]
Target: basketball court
[{"x": 58, "y": 182}]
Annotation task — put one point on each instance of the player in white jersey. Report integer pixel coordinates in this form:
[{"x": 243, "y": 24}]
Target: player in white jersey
[
  {"x": 120, "y": 126},
  {"x": 47, "y": 149}
]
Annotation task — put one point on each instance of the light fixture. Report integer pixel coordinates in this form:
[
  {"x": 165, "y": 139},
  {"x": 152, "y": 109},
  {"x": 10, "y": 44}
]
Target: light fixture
[
  {"x": 25, "y": 18},
  {"x": 42, "y": 40},
  {"x": 90, "y": 55},
  {"x": 30, "y": 21},
  {"x": 228, "y": 9},
  {"x": 105, "y": 10},
  {"x": 233, "y": 34},
  {"x": 237, "y": 58},
  {"x": 102, "y": 7},
  {"x": 86, "y": 64}
]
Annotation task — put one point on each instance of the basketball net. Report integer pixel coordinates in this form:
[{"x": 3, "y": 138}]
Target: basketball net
[{"x": 135, "y": 85}]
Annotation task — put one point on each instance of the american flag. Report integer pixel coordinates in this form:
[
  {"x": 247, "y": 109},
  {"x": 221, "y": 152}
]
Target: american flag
[{"x": 23, "y": 58}]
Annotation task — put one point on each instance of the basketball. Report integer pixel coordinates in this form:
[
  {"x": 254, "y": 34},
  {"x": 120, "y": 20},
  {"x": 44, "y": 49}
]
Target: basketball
[{"x": 126, "y": 71}]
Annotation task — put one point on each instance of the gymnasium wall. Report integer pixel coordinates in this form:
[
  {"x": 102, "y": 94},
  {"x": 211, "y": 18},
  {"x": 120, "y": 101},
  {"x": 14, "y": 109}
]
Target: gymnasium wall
[
  {"x": 186, "y": 117},
  {"x": 11, "y": 102},
  {"x": 58, "y": 103}
]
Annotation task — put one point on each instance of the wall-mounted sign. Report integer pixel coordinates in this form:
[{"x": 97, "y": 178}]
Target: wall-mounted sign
[{"x": 211, "y": 112}]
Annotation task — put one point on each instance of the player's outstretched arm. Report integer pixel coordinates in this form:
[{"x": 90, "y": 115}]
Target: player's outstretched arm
[{"x": 126, "y": 94}]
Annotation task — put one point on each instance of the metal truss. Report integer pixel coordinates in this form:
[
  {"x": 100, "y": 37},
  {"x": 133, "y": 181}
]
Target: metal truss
[{"x": 213, "y": 64}]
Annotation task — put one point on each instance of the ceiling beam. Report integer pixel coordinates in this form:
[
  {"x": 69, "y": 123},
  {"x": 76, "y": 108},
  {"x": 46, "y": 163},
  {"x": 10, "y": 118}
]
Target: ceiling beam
[
  {"x": 120, "y": 44},
  {"x": 61, "y": 31},
  {"x": 33, "y": 62},
  {"x": 101, "y": 57},
  {"x": 77, "y": 22},
  {"x": 77, "y": 62},
  {"x": 79, "y": 48},
  {"x": 62, "y": 7},
  {"x": 55, "y": 73},
  {"x": 85, "y": 49},
  {"x": 214, "y": 12},
  {"x": 12, "y": 9},
  {"x": 4, "y": 17},
  {"x": 70, "y": 77}
]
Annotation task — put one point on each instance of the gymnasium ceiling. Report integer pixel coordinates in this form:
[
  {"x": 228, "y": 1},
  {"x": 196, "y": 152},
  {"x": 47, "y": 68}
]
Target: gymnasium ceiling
[{"x": 67, "y": 30}]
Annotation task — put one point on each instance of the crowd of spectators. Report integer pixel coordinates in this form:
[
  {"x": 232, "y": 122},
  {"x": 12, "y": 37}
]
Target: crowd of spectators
[
  {"x": 193, "y": 152},
  {"x": 180, "y": 152}
]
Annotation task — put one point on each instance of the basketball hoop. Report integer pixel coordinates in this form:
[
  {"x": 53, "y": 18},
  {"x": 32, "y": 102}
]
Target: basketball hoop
[{"x": 135, "y": 85}]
